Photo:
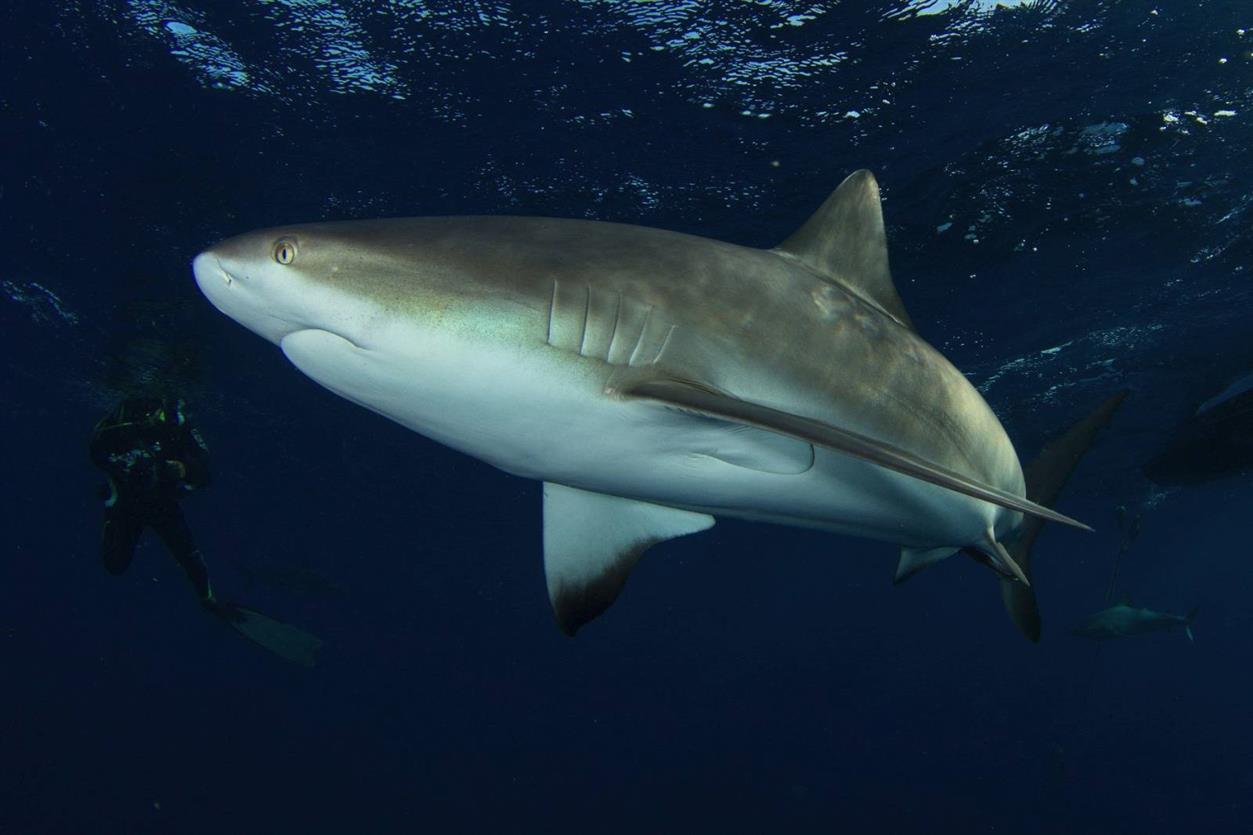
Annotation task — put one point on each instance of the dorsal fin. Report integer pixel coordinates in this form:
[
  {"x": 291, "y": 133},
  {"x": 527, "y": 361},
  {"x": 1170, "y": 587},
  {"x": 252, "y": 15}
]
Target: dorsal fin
[{"x": 844, "y": 240}]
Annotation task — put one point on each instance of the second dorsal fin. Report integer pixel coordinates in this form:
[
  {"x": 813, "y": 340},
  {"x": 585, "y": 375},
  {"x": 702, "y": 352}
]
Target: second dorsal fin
[{"x": 844, "y": 240}]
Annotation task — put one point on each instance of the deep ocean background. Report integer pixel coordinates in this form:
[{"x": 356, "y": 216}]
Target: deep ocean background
[{"x": 1067, "y": 189}]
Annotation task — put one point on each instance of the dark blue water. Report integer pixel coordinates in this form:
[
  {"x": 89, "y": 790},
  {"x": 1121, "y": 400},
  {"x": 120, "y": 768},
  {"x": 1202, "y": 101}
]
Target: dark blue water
[{"x": 1067, "y": 190}]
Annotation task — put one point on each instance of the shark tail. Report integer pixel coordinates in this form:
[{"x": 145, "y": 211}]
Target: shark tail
[
  {"x": 1187, "y": 623},
  {"x": 1045, "y": 477}
]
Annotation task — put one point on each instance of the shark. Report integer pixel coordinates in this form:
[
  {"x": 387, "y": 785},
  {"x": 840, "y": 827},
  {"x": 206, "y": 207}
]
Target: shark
[
  {"x": 655, "y": 380},
  {"x": 1125, "y": 620},
  {"x": 1215, "y": 442}
]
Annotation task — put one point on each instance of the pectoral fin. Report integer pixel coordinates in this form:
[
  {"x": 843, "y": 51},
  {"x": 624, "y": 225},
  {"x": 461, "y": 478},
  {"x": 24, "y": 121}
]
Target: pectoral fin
[
  {"x": 591, "y": 543},
  {"x": 696, "y": 398}
]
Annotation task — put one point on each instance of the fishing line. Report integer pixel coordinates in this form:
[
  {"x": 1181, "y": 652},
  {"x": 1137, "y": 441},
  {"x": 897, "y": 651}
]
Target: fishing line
[
  {"x": 1130, "y": 528},
  {"x": 1130, "y": 532}
]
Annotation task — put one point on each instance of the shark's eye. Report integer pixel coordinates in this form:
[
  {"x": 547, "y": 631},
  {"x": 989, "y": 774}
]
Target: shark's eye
[{"x": 285, "y": 251}]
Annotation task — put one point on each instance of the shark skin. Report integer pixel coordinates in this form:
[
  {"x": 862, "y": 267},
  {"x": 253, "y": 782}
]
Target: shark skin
[
  {"x": 1125, "y": 620},
  {"x": 653, "y": 380}
]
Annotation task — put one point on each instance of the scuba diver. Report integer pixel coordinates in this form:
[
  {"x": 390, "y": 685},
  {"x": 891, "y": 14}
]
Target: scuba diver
[{"x": 153, "y": 456}]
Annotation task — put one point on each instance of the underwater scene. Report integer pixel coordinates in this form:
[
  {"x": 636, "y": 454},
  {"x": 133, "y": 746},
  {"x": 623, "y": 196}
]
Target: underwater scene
[{"x": 626, "y": 416}]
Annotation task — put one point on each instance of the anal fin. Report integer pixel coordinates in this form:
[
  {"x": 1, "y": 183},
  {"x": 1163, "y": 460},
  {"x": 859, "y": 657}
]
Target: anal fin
[{"x": 593, "y": 540}]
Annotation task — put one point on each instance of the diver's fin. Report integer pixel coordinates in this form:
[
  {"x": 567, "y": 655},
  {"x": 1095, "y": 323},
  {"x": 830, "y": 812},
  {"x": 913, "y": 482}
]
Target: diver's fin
[
  {"x": 282, "y": 639},
  {"x": 1045, "y": 477},
  {"x": 844, "y": 240},
  {"x": 697, "y": 398},
  {"x": 591, "y": 543},
  {"x": 914, "y": 560}
]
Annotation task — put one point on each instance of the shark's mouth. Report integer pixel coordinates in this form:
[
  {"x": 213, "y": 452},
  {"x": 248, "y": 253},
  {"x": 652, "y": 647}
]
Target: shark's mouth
[
  {"x": 322, "y": 334},
  {"x": 318, "y": 336},
  {"x": 331, "y": 360}
]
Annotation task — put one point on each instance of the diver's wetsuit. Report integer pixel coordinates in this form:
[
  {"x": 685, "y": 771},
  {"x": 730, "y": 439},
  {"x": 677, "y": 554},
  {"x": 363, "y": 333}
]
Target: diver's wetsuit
[{"x": 152, "y": 456}]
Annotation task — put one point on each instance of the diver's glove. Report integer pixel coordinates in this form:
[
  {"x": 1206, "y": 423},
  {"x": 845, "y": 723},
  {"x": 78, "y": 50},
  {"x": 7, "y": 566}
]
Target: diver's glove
[
  {"x": 171, "y": 473},
  {"x": 106, "y": 491}
]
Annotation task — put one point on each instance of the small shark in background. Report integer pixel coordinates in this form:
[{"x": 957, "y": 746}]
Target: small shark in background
[
  {"x": 1125, "y": 620},
  {"x": 654, "y": 380},
  {"x": 1215, "y": 442}
]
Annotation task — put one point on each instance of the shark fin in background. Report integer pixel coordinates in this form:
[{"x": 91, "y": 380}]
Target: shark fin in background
[
  {"x": 845, "y": 240},
  {"x": 591, "y": 543},
  {"x": 914, "y": 560},
  {"x": 1045, "y": 477},
  {"x": 702, "y": 400}
]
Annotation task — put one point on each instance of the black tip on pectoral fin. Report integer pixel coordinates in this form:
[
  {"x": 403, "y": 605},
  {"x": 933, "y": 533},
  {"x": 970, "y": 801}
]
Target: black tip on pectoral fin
[
  {"x": 578, "y": 602},
  {"x": 593, "y": 540}
]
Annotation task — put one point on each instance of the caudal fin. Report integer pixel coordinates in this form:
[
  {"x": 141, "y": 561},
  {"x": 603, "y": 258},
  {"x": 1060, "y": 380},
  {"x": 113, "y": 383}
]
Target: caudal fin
[{"x": 1045, "y": 477}]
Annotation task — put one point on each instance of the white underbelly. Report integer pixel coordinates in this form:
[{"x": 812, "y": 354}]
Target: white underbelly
[
  {"x": 550, "y": 421},
  {"x": 837, "y": 493}
]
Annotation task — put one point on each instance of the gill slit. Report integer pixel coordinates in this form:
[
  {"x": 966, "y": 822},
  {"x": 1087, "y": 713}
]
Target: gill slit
[
  {"x": 664, "y": 343},
  {"x": 552, "y": 311},
  {"x": 639, "y": 342},
  {"x": 587, "y": 313},
  {"x": 613, "y": 334}
]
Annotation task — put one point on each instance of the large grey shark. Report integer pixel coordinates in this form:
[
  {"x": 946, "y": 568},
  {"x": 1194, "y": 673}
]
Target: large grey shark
[
  {"x": 653, "y": 380},
  {"x": 1125, "y": 620}
]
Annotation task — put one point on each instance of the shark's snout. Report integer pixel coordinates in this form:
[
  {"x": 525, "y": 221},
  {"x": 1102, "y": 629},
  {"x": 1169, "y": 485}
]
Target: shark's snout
[
  {"x": 232, "y": 290},
  {"x": 218, "y": 284},
  {"x": 209, "y": 272}
]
